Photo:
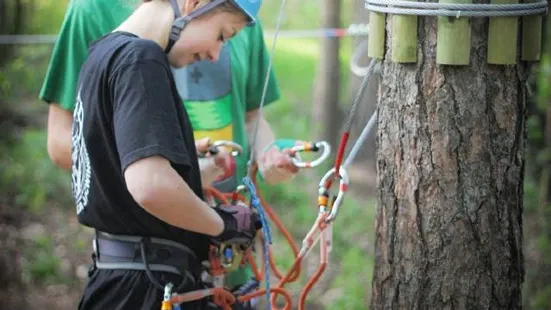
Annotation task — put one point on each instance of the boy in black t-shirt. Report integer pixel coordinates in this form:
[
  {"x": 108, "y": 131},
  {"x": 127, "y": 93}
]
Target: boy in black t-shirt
[{"x": 135, "y": 173}]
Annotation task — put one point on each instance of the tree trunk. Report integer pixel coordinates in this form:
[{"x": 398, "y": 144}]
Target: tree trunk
[
  {"x": 450, "y": 181},
  {"x": 326, "y": 111}
]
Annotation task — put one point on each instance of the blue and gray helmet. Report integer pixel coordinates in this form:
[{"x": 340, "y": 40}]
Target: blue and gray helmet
[{"x": 249, "y": 7}]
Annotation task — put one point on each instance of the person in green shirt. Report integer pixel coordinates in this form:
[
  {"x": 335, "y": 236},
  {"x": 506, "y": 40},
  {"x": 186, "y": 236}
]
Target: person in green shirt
[{"x": 221, "y": 97}]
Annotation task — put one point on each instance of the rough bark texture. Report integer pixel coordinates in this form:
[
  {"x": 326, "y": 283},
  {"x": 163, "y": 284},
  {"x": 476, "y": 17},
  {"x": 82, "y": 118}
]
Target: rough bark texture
[
  {"x": 450, "y": 181},
  {"x": 326, "y": 112}
]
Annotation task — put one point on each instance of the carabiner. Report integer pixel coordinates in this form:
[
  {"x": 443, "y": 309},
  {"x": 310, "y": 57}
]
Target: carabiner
[
  {"x": 310, "y": 147},
  {"x": 166, "y": 304},
  {"x": 323, "y": 198},
  {"x": 235, "y": 195},
  {"x": 236, "y": 149},
  {"x": 231, "y": 256}
]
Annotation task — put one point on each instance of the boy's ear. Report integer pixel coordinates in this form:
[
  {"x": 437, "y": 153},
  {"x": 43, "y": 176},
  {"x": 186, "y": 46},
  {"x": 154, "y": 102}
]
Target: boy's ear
[{"x": 190, "y": 5}]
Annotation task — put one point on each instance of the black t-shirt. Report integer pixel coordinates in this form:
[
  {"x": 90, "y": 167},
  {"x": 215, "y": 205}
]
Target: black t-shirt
[{"x": 128, "y": 108}]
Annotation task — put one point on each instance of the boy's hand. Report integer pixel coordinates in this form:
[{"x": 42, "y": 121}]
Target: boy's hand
[
  {"x": 240, "y": 224},
  {"x": 212, "y": 167}
]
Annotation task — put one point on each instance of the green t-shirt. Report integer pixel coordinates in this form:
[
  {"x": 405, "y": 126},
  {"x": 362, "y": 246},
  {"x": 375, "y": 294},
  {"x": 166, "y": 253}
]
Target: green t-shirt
[{"x": 216, "y": 95}]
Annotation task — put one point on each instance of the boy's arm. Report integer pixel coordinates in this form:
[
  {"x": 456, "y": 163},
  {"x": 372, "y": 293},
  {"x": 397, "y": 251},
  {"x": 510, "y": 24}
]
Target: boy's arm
[
  {"x": 160, "y": 190},
  {"x": 150, "y": 143},
  {"x": 263, "y": 137}
]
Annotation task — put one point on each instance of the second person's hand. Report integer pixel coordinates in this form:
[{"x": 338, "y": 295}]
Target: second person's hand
[{"x": 276, "y": 165}]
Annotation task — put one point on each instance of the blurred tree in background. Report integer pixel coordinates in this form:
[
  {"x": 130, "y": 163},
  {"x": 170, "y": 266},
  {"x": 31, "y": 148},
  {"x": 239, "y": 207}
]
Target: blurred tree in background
[
  {"x": 537, "y": 215},
  {"x": 13, "y": 14}
]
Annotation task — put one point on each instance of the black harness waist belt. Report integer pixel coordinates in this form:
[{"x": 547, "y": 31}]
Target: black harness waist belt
[{"x": 148, "y": 254}]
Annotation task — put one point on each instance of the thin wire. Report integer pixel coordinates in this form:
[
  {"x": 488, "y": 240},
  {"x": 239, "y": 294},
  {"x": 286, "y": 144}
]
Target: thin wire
[
  {"x": 417, "y": 8},
  {"x": 359, "y": 143},
  {"x": 264, "y": 90},
  {"x": 255, "y": 202},
  {"x": 348, "y": 123},
  {"x": 359, "y": 94},
  {"x": 458, "y": 14},
  {"x": 352, "y": 30},
  {"x": 460, "y": 6}
]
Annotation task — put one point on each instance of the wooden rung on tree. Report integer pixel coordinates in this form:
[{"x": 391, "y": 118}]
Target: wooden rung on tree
[
  {"x": 531, "y": 36},
  {"x": 404, "y": 38},
  {"x": 376, "y": 35},
  {"x": 453, "y": 45},
  {"x": 454, "y": 33},
  {"x": 502, "y": 38}
]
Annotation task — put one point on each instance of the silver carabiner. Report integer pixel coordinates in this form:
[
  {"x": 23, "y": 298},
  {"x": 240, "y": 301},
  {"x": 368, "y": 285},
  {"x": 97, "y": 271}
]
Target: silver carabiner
[
  {"x": 236, "y": 149},
  {"x": 323, "y": 198},
  {"x": 310, "y": 147},
  {"x": 166, "y": 304}
]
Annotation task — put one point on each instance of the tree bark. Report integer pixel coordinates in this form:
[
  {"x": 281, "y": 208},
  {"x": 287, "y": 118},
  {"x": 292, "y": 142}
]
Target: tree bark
[
  {"x": 326, "y": 111},
  {"x": 450, "y": 180}
]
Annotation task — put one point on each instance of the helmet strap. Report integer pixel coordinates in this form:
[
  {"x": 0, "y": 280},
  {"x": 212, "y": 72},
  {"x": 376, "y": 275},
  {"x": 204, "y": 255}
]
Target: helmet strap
[{"x": 181, "y": 21}]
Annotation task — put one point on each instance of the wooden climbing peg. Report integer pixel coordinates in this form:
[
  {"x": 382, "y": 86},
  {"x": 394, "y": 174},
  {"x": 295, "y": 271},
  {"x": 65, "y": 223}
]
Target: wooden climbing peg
[
  {"x": 503, "y": 37},
  {"x": 453, "y": 45}
]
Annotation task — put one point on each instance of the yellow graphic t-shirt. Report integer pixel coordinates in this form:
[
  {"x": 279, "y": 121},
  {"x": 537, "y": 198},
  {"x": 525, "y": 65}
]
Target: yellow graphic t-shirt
[{"x": 206, "y": 91}]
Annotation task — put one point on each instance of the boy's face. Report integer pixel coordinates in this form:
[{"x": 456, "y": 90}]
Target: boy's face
[{"x": 203, "y": 37}]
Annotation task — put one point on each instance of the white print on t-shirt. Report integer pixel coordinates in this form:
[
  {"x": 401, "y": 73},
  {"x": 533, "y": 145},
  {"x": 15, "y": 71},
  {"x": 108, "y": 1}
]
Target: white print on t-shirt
[{"x": 80, "y": 161}]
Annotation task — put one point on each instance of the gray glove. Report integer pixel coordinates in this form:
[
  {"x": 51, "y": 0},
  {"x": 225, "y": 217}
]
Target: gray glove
[{"x": 240, "y": 224}]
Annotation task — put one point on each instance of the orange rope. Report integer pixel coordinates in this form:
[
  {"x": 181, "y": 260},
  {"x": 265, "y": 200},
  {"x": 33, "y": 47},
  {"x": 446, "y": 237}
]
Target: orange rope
[{"x": 225, "y": 299}]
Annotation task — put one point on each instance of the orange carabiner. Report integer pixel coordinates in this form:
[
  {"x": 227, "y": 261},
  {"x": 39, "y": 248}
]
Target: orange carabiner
[
  {"x": 310, "y": 147},
  {"x": 323, "y": 198}
]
